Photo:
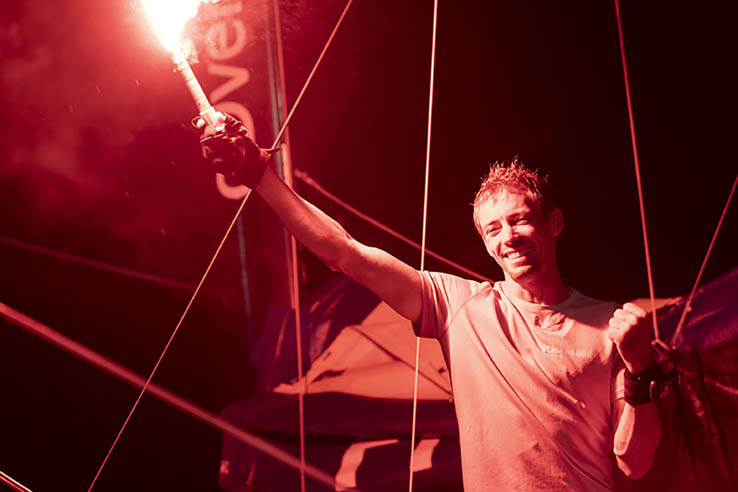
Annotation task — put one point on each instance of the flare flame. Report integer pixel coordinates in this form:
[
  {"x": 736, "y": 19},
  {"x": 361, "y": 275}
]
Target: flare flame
[{"x": 168, "y": 19}]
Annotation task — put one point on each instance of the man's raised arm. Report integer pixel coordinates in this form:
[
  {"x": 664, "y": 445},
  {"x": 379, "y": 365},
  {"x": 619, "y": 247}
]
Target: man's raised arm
[{"x": 235, "y": 154}]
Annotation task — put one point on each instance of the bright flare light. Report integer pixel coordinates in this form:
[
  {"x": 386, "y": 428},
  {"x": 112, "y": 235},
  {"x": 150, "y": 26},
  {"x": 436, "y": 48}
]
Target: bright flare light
[{"x": 168, "y": 19}]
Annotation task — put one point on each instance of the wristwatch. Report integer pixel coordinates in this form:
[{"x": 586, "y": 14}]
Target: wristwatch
[{"x": 650, "y": 385}]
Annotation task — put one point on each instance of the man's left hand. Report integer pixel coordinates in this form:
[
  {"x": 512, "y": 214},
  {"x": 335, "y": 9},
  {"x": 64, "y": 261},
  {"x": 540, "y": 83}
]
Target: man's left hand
[{"x": 631, "y": 331}]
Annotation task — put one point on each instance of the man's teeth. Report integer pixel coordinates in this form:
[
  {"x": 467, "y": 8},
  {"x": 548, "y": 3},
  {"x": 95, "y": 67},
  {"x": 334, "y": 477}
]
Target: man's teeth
[{"x": 518, "y": 254}]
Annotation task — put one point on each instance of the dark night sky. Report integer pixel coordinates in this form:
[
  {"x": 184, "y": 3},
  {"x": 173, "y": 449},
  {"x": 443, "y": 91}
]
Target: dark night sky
[{"x": 99, "y": 161}]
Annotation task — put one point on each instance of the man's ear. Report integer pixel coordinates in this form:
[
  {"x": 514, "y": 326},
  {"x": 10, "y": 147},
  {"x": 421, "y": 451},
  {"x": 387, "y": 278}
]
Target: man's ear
[{"x": 556, "y": 221}]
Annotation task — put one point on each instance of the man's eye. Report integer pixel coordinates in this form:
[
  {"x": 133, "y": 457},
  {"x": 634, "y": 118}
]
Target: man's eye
[
  {"x": 491, "y": 231},
  {"x": 523, "y": 219}
]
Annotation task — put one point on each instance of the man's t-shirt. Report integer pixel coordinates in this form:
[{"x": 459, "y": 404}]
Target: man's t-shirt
[{"x": 532, "y": 385}]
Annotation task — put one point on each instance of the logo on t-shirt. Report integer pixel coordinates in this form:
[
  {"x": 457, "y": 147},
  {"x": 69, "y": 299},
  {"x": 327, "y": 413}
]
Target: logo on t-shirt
[{"x": 571, "y": 352}]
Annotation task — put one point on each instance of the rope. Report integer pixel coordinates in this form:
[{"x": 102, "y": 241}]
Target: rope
[
  {"x": 169, "y": 342},
  {"x": 99, "y": 265},
  {"x": 305, "y": 178},
  {"x": 7, "y": 480},
  {"x": 294, "y": 274},
  {"x": 424, "y": 229},
  {"x": 637, "y": 172},
  {"x": 312, "y": 73},
  {"x": 88, "y": 355},
  {"x": 215, "y": 255},
  {"x": 295, "y": 298},
  {"x": 687, "y": 306}
]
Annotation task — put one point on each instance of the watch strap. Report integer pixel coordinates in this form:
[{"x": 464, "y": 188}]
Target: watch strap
[{"x": 650, "y": 385}]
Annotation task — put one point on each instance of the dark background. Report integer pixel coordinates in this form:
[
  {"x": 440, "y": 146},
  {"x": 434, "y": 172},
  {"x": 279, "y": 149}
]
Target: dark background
[{"x": 99, "y": 161}]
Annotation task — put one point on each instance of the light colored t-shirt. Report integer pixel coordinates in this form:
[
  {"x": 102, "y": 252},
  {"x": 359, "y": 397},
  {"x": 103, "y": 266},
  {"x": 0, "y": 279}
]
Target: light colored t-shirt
[{"x": 532, "y": 385}]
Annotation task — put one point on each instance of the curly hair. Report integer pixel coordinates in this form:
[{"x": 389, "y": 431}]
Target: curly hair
[{"x": 514, "y": 176}]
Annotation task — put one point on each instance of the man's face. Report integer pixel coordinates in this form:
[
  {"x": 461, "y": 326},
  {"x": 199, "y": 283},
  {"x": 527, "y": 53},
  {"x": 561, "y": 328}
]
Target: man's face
[{"x": 518, "y": 236}]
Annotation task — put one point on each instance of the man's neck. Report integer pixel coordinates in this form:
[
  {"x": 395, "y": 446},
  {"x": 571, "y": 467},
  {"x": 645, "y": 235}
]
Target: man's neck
[{"x": 539, "y": 291}]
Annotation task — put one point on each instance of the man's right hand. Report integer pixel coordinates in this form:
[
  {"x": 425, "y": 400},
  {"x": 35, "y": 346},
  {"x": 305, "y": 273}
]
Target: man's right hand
[{"x": 233, "y": 153}]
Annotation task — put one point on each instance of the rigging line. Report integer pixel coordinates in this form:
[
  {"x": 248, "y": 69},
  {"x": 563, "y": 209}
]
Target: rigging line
[
  {"x": 295, "y": 291},
  {"x": 218, "y": 249},
  {"x": 687, "y": 306},
  {"x": 649, "y": 270},
  {"x": 399, "y": 357},
  {"x": 295, "y": 297},
  {"x": 124, "y": 374},
  {"x": 424, "y": 228},
  {"x": 169, "y": 342},
  {"x": 17, "y": 486},
  {"x": 294, "y": 274},
  {"x": 59, "y": 255},
  {"x": 277, "y": 353},
  {"x": 312, "y": 73},
  {"x": 305, "y": 178}
]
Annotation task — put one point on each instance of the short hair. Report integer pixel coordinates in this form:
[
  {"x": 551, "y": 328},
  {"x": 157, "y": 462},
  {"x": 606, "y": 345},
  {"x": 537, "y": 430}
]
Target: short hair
[{"x": 514, "y": 176}]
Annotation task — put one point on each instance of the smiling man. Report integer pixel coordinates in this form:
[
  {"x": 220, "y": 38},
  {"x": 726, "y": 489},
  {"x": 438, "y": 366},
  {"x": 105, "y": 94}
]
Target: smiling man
[
  {"x": 519, "y": 229},
  {"x": 549, "y": 385},
  {"x": 538, "y": 383}
]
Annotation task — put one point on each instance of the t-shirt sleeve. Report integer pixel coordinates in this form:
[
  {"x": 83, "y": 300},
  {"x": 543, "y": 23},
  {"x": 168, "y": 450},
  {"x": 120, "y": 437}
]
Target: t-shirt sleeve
[{"x": 442, "y": 295}]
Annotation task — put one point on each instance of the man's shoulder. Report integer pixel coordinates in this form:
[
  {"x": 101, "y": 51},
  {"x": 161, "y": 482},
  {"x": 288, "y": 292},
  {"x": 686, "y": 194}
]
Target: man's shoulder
[
  {"x": 452, "y": 287},
  {"x": 449, "y": 281}
]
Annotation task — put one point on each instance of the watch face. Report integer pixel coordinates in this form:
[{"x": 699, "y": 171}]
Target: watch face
[{"x": 658, "y": 390}]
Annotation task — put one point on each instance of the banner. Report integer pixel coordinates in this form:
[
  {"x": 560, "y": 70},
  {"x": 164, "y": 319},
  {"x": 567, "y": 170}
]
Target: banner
[{"x": 240, "y": 66}]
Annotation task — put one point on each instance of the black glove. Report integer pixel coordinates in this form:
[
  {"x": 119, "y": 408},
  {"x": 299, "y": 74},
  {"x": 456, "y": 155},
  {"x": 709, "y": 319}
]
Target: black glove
[{"x": 234, "y": 154}]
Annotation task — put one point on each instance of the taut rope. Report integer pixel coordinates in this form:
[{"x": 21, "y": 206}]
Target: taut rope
[
  {"x": 425, "y": 224},
  {"x": 212, "y": 261}
]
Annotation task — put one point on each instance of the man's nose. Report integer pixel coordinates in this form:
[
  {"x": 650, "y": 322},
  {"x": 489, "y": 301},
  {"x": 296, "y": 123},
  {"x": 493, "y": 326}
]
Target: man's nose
[{"x": 508, "y": 234}]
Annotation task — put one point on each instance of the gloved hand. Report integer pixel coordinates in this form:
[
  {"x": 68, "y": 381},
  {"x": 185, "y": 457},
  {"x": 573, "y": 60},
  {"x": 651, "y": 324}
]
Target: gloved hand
[{"x": 233, "y": 153}]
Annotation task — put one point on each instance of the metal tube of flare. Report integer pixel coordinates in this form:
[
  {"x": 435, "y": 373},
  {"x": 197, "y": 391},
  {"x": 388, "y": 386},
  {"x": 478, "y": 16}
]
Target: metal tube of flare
[{"x": 206, "y": 110}]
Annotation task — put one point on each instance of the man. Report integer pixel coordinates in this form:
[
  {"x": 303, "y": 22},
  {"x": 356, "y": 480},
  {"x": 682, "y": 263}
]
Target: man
[{"x": 536, "y": 367}]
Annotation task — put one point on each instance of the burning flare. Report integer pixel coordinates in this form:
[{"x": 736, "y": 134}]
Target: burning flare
[{"x": 168, "y": 19}]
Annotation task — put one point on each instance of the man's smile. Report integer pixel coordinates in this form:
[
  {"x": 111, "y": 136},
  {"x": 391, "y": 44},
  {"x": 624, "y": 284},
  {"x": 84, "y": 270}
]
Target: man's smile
[{"x": 518, "y": 253}]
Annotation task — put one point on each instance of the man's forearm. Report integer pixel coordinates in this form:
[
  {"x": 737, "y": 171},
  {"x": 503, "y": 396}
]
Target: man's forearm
[
  {"x": 232, "y": 152},
  {"x": 313, "y": 228},
  {"x": 389, "y": 278},
  {"x": 636, "y": 438}
]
